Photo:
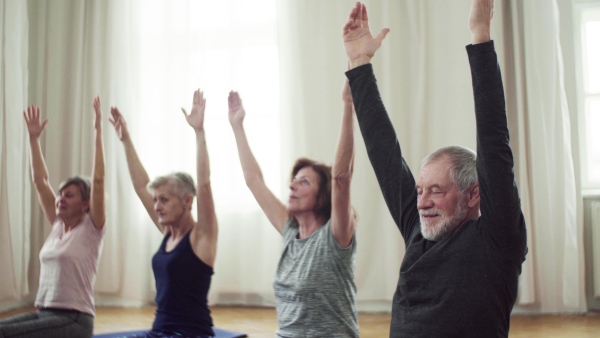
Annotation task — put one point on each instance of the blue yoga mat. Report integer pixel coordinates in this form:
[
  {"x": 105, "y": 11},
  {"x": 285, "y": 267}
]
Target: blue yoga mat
[{"x": 219, "y": 333}]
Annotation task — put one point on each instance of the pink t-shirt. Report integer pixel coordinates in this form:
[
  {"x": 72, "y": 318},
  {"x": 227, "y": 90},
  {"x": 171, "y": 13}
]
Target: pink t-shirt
[{"x": 69, "y": 263}]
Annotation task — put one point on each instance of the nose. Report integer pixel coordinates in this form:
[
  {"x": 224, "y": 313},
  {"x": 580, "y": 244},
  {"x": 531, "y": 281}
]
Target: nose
[
  {"x": 424, "y": 201},
  {"x": 292, "y": 186}
]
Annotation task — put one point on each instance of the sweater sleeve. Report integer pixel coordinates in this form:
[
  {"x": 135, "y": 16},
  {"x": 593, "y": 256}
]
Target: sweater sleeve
[
  {"x": 393, "y": 174},
  {"x": 499, "y": 198}
]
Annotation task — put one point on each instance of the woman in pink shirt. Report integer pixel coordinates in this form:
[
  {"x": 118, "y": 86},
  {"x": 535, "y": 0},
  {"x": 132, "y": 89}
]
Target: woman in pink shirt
[{"x": 69, "y": 257}]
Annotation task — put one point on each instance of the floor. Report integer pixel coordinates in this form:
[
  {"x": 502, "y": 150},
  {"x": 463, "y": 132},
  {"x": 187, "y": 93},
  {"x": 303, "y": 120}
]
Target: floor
[{"x": 261, "y": 322}]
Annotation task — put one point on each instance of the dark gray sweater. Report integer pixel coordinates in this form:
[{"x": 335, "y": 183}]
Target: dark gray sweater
[{"x": 464, "y": 285}]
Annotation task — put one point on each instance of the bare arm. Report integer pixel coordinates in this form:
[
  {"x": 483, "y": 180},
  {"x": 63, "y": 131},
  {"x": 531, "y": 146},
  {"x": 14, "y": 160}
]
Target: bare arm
[
  {"x": 206, "y": 232},
  {"x": 271, "y": 205},
  {"x": 342, "y": 216},
  {"x": 39, "y": 171},
  {"x": 97, "y": 202},
  {"x": 139, "y": 176}
]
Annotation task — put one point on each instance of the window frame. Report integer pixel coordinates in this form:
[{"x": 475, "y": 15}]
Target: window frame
[{"x": 588, "y": 185}]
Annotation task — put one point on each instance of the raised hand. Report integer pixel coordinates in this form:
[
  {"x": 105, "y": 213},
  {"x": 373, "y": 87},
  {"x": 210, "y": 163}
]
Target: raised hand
[
  {"x": 98, "y": 113},
  {"x": 196, "y": 117},
  {"x": 119, "y": 123},
  {"x": 359, "y": 43},
  {"x": 480, "y": 19},
  {"x": 236, "y": 109},
  {"x": 32, "y": 119}
]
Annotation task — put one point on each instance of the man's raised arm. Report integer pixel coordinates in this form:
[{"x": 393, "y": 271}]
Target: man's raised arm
[
  {"x": 395, "y": 179},
  {"x": 500, "y": 205}
]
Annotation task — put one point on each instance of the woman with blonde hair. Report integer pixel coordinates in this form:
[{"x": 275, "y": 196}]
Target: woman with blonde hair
[
  {"x": 183, "y": 264},
  {"x": 70, "y": 255}
]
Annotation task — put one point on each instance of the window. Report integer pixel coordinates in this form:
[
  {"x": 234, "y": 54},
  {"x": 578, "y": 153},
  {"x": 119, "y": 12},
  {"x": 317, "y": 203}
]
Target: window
[
  {"x": 587, "y": 37},
  {"x": 216, "y": 46}
]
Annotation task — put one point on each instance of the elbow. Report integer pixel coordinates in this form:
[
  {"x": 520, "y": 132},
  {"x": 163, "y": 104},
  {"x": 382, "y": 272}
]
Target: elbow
[
  {"x": 141, "y": 185},
  {"x": 253, "y": 180},
  {"x": 98, "y": 180},
  {"x": 342, "y": 177},
  {"x": 40, "y": 181},
  {"x": 203, "y": 187}
]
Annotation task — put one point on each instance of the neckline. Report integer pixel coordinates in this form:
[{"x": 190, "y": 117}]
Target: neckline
[{"x": 164, "y": 244}]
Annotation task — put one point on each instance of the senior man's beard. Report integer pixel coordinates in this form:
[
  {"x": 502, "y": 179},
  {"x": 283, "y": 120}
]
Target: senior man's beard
[{"x": 437, "y": 230}]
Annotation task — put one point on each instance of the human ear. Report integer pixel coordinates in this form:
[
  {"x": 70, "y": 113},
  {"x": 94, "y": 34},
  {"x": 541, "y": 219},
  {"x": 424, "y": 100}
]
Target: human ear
[{"x": 473, "y": 197}]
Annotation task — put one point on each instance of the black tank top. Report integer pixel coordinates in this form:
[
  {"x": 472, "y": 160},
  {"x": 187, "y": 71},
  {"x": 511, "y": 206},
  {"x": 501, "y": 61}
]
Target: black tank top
[{"x": 182, "y": 283}]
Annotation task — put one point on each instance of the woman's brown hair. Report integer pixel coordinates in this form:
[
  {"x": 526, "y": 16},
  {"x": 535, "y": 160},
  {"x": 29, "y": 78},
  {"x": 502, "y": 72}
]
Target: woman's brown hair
[{"x": 324, "y": 193}]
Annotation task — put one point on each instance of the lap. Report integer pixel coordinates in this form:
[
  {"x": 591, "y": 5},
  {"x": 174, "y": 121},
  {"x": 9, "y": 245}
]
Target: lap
[
  {"x": 23, "y": 317},
  {"x": 48, "y": 324}
]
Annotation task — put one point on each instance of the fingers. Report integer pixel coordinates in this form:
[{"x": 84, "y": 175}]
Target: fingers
[
  {"x": 347, "y": 26},
  {"x": 354, "y": 12},
  {"x": 364, "y": 22},
  {"x": 353, "y": 21},
  {"x": 184, "y": 112},
  {"x": 359, "y": 13},
  {"x": 199, "y": 98},
  {"x": 115, "y": 118},
  {"x": 31, "y": 114},
  {"x": 234, "y": 100},
  {"x": 382, "y": 35},
  {"x": 98, "y": 109}
]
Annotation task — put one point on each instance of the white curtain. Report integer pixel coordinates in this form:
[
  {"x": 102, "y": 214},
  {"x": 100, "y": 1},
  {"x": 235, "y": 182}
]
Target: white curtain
[
  {"x": 15, "y": 191},
  {"x": 147, "y": 58},
  {"x": 554, "y": 276},
  {"x": 287, "y": 60}
]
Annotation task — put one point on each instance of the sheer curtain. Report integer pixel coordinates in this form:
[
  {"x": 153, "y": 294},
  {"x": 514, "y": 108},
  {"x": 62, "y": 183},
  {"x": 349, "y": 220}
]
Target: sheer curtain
[
  {"x": 553, "y": 280},
  {"x": 147, "y": 58},
  {"x": 217, "y": 47},
  {"x": 15, "y": 191}
]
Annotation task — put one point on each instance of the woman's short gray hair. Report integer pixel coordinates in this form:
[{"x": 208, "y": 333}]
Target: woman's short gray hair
[
  {"x": 83, "y": 183},
  {"x": 181, "y": 183},
  {"x": 464, "y": 169}
]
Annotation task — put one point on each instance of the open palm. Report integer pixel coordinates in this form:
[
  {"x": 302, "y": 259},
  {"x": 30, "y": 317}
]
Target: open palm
[
  {"x": 236, "y": 109},
  {"x": 358, "y": 41},
  {"x": 35, "y": 127},
  {"x": 196, "y": 117}
]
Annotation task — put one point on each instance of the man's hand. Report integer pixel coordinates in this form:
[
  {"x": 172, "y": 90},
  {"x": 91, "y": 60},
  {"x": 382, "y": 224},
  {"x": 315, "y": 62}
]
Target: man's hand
[
  {"x": 480, "y": 19},
  {"x": 359, "y": 43}
]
